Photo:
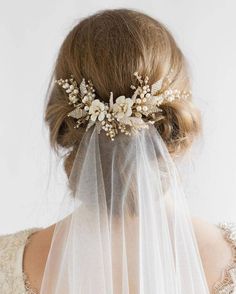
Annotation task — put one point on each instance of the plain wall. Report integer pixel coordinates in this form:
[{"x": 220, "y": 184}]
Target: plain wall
[{"x": 31, "y": 33}]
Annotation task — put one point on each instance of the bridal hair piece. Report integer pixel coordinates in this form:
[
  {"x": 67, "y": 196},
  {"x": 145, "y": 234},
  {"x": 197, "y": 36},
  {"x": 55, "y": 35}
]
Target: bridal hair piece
[{"x": 125, "y": 114}]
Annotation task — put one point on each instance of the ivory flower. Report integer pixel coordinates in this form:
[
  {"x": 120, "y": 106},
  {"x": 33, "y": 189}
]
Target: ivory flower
[
  {"x": 97, "y": 110},
  {"x": 123, "y": 107}
]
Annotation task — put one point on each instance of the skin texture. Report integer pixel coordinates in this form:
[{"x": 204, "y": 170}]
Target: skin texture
[
  {"x": 215, "y": 252},
  {"x": 35, "y": 255}
]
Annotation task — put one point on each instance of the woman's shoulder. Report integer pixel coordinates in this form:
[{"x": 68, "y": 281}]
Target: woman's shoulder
[
  {"x": 217, "y": 246},
  {"x": 11, "y": 256}
]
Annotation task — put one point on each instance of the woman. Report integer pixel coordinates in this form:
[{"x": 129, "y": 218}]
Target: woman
[{"x": 120, "y": 103}]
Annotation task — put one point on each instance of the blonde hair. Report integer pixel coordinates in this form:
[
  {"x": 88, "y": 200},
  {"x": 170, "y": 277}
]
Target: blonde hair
[{"x": 107, "y": 48}]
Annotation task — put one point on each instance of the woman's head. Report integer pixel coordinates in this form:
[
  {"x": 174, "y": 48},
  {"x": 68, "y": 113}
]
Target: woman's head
[{"x": 107, "y": 48}]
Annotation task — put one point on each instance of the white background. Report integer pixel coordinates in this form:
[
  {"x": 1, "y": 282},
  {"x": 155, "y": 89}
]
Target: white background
[{"x": 31, "y": 33}]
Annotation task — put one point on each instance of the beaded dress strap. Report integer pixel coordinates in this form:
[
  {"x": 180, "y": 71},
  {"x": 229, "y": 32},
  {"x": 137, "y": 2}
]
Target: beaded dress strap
[{"x": 228, "y": 284}]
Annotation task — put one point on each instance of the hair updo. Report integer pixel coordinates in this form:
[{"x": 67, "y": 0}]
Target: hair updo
[{"x": 107, "y": 48}]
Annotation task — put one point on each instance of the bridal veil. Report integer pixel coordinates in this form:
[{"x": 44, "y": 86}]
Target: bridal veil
[{"x": 125, "y": 228}]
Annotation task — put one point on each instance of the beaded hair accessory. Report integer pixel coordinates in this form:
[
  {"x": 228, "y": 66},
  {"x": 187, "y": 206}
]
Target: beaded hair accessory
[{"x": 127, "y": 114}]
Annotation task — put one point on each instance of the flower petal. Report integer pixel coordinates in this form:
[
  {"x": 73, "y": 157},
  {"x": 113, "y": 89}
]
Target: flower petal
[
  {"x": 101, "y": 116},
  {"x": 93, "y": 117},
  {"x": 120, "y": 99}
]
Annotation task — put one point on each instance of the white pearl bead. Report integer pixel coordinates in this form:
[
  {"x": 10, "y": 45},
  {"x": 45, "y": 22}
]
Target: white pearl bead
[
  {"x": 145, "y": 108},
  {"x": 139, "y": 108},
  {"x": 65, "y": 86}
]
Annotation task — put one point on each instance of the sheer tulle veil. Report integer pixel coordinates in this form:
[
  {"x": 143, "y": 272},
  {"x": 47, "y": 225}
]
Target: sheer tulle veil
[{"x": 125, "y": 227}]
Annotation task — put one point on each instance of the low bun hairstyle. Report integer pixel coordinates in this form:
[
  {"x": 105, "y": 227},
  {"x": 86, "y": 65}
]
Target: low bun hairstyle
[{"x": 107, "y": 48}]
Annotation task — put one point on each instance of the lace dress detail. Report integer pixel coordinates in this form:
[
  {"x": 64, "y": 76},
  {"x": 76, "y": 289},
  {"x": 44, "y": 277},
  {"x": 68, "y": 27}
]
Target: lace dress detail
[
  {"x": 228, "y": 283},
  {"x": 12, "y": 278}
]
